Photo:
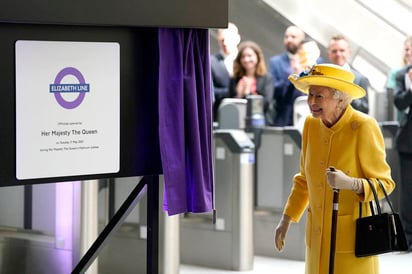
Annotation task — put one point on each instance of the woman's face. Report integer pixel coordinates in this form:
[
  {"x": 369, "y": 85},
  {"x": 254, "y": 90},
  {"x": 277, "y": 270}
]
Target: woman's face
[
  {"x": 249, "y": 59},
  {"x": 322, "y": 105}
]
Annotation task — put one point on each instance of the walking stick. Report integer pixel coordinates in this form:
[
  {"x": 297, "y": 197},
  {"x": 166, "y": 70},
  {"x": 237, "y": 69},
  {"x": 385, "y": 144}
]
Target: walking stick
[{"x": 333, "y": 228}]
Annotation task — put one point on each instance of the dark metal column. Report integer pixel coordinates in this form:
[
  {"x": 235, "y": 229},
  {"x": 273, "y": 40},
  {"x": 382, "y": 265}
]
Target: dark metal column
[{"x": 153, "y": 225}]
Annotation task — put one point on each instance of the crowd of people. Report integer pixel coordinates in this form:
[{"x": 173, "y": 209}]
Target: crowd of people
[
  {"x": 299, "y": 54},
  {"x": 342, "y": 145}
]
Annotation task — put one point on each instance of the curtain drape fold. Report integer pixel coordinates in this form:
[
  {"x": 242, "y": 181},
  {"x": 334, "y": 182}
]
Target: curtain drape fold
[{"x": 185, "y": 121}]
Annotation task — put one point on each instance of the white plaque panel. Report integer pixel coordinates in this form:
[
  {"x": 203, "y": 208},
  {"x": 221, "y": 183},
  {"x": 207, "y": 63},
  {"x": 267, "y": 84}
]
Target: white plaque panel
[{"x": 67, "y": 108}]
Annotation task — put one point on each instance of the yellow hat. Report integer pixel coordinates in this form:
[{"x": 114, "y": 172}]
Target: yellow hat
[{"x": 328, "y": 75}]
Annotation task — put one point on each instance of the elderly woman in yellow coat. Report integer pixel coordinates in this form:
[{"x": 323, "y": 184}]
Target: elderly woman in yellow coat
[{"x": 350, "y": 141}]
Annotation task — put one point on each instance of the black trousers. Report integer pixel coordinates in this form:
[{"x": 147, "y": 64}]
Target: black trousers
[{"x": 405, "y": 198}]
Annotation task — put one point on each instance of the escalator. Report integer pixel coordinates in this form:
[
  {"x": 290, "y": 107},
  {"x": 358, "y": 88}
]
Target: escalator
[{"x": 375, "y": 29}]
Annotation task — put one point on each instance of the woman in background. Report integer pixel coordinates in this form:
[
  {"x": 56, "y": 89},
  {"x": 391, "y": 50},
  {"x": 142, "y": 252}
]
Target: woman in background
[{"x": 250, "y": 77}]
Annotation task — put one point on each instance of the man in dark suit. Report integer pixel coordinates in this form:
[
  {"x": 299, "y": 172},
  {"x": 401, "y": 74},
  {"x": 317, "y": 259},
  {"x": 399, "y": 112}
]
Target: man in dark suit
[
  {"x": 403, "y": 102},
  {"x": 222, "y": 64},
  {"x": 339, "y": 53},
  {"x": 281, "y": 66}
]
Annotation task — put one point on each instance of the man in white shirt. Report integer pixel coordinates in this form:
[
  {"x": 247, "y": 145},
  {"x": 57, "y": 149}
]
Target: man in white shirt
[{"x": 222, "y": 63}]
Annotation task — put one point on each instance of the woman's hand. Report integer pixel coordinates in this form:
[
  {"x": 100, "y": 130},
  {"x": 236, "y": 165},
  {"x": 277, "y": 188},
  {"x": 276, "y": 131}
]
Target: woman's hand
[
  {"x": 243, "y": 87},
  {"x": 410, "y": 73},
  {"x": 296, "y": 64},
  {"x": 281, "y": 231},
  {"x": 338, "y": 179}
]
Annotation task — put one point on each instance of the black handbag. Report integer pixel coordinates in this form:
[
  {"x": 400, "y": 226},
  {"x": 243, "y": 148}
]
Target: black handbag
[{"x": 379, "y": 233}]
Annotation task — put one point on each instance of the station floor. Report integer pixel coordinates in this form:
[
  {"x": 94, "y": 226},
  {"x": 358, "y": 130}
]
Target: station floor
[
  {"x": 391, "y": 263},
  {"x": 28, "y": 253}
]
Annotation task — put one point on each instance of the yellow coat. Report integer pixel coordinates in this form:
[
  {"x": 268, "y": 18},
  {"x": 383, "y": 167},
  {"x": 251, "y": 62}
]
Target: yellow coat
[{"x": 354, "y": 145}]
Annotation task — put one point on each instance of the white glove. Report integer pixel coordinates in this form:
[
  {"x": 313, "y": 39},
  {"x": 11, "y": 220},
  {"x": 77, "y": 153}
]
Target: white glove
[
  {"x": 339, "y": 180},
  {"x": 281, "y": 231}
]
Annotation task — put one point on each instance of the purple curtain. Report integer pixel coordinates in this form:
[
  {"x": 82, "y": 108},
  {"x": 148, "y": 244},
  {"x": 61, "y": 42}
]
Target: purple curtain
[{"x": 185, "y": 121}]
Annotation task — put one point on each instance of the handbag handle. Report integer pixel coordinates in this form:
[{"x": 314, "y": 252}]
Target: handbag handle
[
  {"x": 375, "y": 196},
  {"x": 386, "y": 195},
  {"x": 395, "y": 229}
]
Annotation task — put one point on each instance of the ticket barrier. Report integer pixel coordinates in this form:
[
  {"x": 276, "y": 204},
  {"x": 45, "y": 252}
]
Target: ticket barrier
[
  {"x": 227, "y": 243},
  {"x": 232, "y": 113},
  {"x": 389, "y": 129},
  {"x": 277, "y": 161}
]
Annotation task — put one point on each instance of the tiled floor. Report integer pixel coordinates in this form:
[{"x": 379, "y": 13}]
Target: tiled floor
[{"x": 394, "y": 263}]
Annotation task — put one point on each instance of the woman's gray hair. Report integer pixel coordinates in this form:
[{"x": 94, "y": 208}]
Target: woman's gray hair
[{"x": 341, "y": 95}]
